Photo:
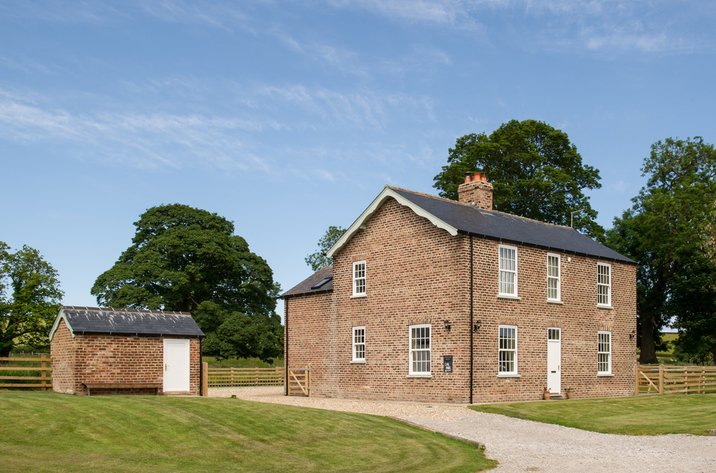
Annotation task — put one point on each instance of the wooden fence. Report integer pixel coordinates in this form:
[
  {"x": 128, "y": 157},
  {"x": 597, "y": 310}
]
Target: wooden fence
[
  {"x": 23, "y": 376},
  {"x": 227, "y": 377},
  {"x": 660, "y": 379}
]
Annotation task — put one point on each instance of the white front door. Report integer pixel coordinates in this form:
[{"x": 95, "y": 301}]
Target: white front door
[
  {"x": 554, "y": 360},
  {"x": 176, "y": 364}
]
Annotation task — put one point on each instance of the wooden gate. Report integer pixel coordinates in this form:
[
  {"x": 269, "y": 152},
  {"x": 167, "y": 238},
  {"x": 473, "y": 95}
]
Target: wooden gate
[{"x": 299, "y": 382}]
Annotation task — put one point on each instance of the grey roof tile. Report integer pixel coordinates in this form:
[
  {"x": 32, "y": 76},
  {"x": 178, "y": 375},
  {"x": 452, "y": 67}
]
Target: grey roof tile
[
  {"x": 501, "y": 226},
  {"x": 304, "y": 287},
  {"x": 131, "y": 322}
]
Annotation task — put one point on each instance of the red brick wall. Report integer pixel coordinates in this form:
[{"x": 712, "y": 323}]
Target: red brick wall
[
  {"x": 578, "y": 318},
  {"x": 419, "y": 274},
  {"x": 62, "y": 351},
  {"x": 416, "y": 274},
  {"x": 114, "y": 358}
]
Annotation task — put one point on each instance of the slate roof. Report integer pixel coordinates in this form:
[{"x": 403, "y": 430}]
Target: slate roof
[
  {"x": 501, "y": 226},
  {"x": 464, "y": 218},
  {"x": 97, "y": 320},
  {"x": 305, "y": 286}
]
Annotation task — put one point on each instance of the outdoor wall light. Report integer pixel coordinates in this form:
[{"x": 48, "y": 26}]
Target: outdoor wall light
[
  {"x": 477, "y": 326},
  {"x": 447, "y": 325},
  {"x": 632, "y": 335}
]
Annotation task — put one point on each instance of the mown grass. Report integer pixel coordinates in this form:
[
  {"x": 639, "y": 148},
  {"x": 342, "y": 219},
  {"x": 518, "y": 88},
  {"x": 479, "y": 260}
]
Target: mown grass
[
  {"x": 637, "y": 415},
  {"x": 48, "y": 432}
]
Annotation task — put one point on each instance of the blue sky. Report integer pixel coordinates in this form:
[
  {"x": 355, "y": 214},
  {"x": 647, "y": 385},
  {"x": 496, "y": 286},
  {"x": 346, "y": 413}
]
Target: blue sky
[{"x": 287, "y": 117}]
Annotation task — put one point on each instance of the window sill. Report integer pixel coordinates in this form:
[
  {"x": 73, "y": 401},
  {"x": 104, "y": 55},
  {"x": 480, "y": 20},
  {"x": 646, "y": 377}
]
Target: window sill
[
  {"x": 605, "y": 375},
  {"x": 555, "y": 302},
  {"x": 605, "y": 307},
  {"x": 358, "y": 296},
  {"x": 508, "y": 296},
  {"x": 357, "y": 362},
  {"x": 509, "y": 375},
  {"x": 420, "y": 376}
]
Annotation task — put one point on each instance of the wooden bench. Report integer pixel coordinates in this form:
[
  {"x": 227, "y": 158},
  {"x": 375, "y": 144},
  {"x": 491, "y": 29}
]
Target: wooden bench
[{"x": 91, "y": 386}]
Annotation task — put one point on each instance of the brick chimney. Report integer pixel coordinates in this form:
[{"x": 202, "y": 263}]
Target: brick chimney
[{"x": 476, "y": 191}]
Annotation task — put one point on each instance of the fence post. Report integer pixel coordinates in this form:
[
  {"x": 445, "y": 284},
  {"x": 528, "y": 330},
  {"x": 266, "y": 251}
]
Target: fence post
[
  {"x": 232, "y": 376},
  {"x": 636, "y": 379},
  {"x": 661, "y": 378},
  {"x": 43, "y": 372},
  {"x": 204, "y": 378},
  {"x": 308, "y": 379},
  {"x": 257, "y": 377}
]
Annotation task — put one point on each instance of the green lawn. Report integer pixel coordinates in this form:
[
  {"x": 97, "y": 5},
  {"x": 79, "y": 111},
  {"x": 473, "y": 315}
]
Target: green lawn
[
  {"x": 48, "y": 432},
  {"x": 640, "y": 415}
]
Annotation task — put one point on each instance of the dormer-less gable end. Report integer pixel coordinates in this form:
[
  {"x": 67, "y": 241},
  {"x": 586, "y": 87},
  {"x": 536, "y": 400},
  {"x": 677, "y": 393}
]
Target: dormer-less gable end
[
  {"x": 389, "y": 192},
  {"x": 466, "y": 218}
]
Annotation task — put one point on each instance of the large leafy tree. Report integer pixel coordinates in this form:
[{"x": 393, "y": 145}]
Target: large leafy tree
[
  {"x": 30, "y": 296},
  {"x": 667, "y": 231},
  {"x": 187, "y": 259},
  {"x": 693, "y": 306},
  {"x": 534, "y": 168},
  {"x": 318, "y": 259}
]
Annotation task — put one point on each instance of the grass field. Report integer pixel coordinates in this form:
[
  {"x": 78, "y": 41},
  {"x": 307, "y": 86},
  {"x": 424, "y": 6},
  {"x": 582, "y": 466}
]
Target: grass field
[
  {"x": 48, "y": 432},
  {"x": 640, "y": 415}
]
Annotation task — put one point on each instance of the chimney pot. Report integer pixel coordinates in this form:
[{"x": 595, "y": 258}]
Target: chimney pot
[{"x": 476, "y": 190}]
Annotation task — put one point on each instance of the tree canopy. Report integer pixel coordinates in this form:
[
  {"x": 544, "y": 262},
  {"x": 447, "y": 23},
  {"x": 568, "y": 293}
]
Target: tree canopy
[
  {"x": 188, "y": 259},
  {"x": 318, "y": 259},
  {"x": 30, "y": 296},
  {"x": 669, "y": 232},
  {"x": 534, "y": 168}
]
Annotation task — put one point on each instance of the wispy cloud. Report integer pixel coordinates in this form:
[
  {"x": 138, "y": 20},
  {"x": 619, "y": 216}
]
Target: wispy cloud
[
  {"x": 226, "y": 15},
  {"x": 648, "y": 26},
  {"x": 216, "y": 14},
  {"x": 361, "y": 108},
  {"x": 138, "y": 139},
  {"x": 436, "y": 11},
  {"x": 159, "y": 138},
  {"x": 61, "y": 11},
  {"x": 23, "y": 64}
]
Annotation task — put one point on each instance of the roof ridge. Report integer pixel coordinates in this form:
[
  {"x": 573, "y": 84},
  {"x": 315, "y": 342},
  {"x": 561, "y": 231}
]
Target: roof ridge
[
  {"x": 128, "y": 311},
  {"x": 472, "y": 206}
]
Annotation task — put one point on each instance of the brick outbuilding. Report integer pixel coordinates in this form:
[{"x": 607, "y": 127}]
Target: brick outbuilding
[
  {"x": 121, "y": 351},
  {"x": 430, "y": 299}
]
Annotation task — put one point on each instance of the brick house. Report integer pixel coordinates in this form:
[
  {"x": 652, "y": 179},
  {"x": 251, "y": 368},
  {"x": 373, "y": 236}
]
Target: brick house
[
  {"x": 121, "y": 351},
  {"x": 430, "y": 299}
]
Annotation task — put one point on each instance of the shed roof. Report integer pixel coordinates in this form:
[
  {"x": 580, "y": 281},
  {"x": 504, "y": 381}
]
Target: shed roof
[
  {"x": 108, "y": 321},
  {"x": 310, "y": 285}
]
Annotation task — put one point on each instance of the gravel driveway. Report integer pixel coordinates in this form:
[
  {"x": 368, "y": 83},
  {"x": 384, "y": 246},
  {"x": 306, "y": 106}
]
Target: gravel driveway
[{"x": 521, "y": 445}]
